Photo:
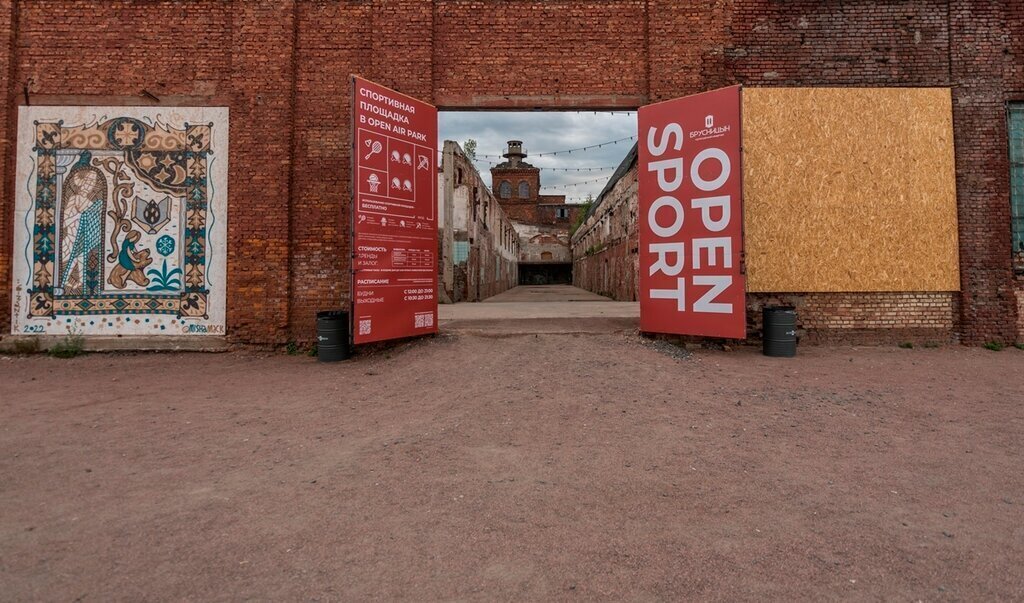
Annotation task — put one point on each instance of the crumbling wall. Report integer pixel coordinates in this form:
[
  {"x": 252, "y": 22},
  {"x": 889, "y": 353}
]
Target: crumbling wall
[
  {"x": 478, "y": 242},
  {"x": 605, "y": 245},
  {"x": 543, "y": 243}
]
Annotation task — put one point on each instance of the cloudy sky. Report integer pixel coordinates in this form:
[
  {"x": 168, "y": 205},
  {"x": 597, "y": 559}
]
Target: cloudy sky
[{"x": 543, "y": 131}]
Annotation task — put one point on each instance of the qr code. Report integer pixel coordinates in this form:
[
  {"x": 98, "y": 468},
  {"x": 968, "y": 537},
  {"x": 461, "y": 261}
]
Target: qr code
[
  {"x": 365, "y": 326},
  {"x": 424, "y": 320}
]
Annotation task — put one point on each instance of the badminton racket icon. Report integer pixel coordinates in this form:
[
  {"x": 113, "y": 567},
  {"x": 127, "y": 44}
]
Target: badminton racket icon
[{"x": 375, "y": 147}]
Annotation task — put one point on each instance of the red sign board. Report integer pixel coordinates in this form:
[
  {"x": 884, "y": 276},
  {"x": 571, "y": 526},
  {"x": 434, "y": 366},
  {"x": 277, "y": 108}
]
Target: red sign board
[
  {"x": 394, "y": 214},
  {"x": 691, "y": 216}
]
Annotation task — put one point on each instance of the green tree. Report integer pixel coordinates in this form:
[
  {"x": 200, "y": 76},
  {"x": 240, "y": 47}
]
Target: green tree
[
  {"x": 582, "y": 215},
  {"x": 470, "y": 148}
]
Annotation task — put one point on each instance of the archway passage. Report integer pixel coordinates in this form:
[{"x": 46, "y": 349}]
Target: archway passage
[
  {"x": 545, "y": 273},
  {"x": 514, "y": 185},
  {"x": 514, "y": 203}
]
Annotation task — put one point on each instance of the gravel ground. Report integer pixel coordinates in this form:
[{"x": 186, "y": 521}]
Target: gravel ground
[{"x": 542, "y": 467}]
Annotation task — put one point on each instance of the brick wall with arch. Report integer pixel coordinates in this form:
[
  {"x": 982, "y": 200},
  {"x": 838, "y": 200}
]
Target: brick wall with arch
[{"x": 281, "y": 66}]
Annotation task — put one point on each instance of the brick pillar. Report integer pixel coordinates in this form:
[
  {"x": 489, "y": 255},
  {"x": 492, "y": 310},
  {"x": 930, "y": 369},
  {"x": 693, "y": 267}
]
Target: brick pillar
[
  {"x": 979, "y": 51},
  {"x": 686, "y": 40},
  {"x": 402, "y": 35},
  {"x": 334, "y": 42},
  {"x": 8, "y": 126},
  {"x": 261, "y": 125}
]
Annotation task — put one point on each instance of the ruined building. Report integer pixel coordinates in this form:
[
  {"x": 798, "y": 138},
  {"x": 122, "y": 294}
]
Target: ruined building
[
  {"x": 541, "y": 221},
  {"x": 478, "y": 243}
]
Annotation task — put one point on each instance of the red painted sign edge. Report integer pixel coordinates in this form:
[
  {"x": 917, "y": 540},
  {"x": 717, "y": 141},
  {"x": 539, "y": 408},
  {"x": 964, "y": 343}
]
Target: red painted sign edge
[
  {"x": 738, "y": 329},
  {"x": 353, "y": 192}
]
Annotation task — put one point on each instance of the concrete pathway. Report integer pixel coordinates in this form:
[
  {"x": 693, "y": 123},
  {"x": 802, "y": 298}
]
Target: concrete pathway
[{"x": 541, "y": 309}]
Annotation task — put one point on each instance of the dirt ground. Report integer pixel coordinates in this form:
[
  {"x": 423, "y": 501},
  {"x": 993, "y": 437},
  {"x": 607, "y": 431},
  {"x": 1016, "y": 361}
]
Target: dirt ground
[{"x": 561, "y": 467}]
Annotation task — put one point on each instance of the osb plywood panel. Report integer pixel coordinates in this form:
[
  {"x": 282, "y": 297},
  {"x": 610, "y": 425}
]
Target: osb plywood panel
[{"x": 849, "y": 189}]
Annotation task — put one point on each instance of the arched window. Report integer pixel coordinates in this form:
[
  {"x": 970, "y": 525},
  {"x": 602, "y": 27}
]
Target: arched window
[
  {"x": 505, "y": 190},
  {"x": 524, "y": 190}
]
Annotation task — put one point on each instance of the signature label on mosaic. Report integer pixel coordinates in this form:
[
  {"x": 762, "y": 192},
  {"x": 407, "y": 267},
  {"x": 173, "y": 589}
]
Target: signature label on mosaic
[
  {"x": 120, "y": 221},
  {"x": 394, "y": 215}
]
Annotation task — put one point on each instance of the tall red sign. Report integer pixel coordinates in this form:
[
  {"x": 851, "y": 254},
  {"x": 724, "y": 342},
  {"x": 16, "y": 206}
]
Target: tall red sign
[
  {"x": 691, "y": 216},
  {"x": 394, "y": 215}
]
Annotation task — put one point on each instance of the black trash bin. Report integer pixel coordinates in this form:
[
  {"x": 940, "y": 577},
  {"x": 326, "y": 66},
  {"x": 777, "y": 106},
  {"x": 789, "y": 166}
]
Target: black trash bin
[
  {"x": 332, "y": 336},
  {"x": 779, "y": 331}
]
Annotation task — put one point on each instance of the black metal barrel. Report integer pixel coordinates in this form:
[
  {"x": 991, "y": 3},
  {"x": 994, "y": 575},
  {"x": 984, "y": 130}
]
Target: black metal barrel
[
  {"x": 779, "y": 331},
  {"x": 332, "y": 336}
]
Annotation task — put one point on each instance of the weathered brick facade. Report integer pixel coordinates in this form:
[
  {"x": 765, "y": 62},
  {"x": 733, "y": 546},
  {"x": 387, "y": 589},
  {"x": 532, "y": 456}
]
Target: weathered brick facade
[
  {"x": 479, "y": 249},
  {"x": 864, "y": 318},
  {"x": 605, "y": 246},
  {"x": 282, "y": 66}
]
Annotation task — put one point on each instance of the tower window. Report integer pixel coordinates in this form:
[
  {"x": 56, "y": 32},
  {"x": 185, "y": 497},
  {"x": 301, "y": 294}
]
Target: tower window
[
  {"x": 505, "y": 190},
  {"x": 524, "y": 190}
]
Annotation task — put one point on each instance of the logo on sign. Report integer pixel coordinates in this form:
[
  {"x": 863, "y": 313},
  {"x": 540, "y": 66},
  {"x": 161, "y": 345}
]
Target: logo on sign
[
  {"x": 691, "y": 277},
  {"x": 710, "y": 131}
]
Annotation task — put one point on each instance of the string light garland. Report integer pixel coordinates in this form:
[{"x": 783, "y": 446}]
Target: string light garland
[
  {"x": 484, "y": 158},
  {"x": 568, "y": 151},
  {"x": 555, "y": 169},
  {"x": 576, "y": 183},
  {"x": 602, "y": 168},
  {"x": 586, "y": 148},
  {"x": 588, "y": 169}
]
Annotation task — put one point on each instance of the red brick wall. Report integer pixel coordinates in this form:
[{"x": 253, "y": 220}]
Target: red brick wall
[
  {"x": 259, "y": 178},
  {"x": 335, "y": 42},
  {"x": 282, "y": 67},
  {"x": 605, "y": 246},
  {"x": 7, "y": 125},
  {"x": 539, "y": 53},
  {"x": 987, "y": 73},
  {"x": 611, "y": 272},
  {"x": 548, "y": 214},
  {"x": 536, "y": 208},
  {"x": 523, "y": 212},
  {"x": 810, "y": 42},
  {"x": 863, "y": 318}
]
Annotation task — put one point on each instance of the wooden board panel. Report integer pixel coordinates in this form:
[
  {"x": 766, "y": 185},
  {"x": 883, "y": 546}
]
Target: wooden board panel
[{"x": 849, "y": 189}]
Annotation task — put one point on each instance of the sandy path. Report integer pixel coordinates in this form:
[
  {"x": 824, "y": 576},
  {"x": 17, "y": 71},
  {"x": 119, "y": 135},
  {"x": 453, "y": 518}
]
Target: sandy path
[{"x": 515, "y": 468}]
